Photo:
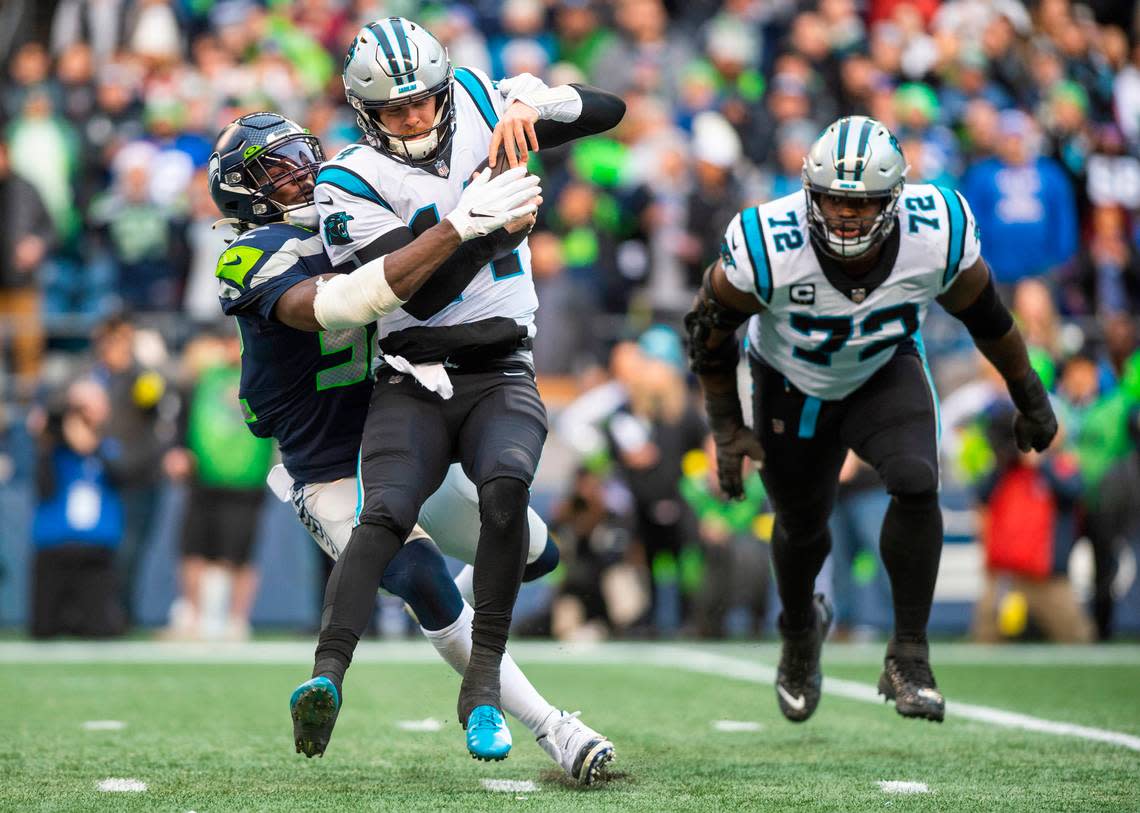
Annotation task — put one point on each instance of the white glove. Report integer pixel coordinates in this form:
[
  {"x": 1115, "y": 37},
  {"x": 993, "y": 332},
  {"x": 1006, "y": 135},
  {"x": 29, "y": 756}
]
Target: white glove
[{"x": 490, "y": 203}]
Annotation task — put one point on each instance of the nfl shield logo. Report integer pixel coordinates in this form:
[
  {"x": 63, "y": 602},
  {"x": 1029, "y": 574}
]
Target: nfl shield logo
[
  {"x": 858, "y": 295},
  {"x": 442, "y": 168},
  {"x": 777, "y": 426}
]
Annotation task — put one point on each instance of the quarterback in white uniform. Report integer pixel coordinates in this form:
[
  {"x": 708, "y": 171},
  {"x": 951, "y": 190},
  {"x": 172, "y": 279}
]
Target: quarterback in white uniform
[
  {"x": 456, "y": 382},
  {"x": 835, "y": 283}
]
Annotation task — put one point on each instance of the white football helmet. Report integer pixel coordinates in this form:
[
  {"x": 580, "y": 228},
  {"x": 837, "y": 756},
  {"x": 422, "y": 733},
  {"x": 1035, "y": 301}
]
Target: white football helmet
[
  {"x": 854, "y": 157},
  {"x": 394, "y": 62}
]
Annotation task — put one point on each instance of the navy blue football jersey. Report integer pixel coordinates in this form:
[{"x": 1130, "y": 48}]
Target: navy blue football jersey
[{"x": 310, "y": 391}]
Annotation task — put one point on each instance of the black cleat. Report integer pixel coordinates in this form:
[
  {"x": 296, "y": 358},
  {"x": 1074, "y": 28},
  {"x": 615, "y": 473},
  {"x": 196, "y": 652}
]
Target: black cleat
[
  {"x": 798, "y": 679},
  {"x": 314, "y": 707},
  {"x": 908, "y": 681}
]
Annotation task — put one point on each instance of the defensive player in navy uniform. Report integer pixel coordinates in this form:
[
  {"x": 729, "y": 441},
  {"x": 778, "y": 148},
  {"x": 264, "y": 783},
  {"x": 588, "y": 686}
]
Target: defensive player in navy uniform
[
  {"x": 835, "y": 282},
  {"x": 459, "y": 383},
  {"x": 310, "y": 391}
]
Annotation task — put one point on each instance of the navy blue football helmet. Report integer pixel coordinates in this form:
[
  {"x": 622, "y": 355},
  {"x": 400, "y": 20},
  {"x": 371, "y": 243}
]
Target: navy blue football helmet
[{"x": 263, "y": 170}]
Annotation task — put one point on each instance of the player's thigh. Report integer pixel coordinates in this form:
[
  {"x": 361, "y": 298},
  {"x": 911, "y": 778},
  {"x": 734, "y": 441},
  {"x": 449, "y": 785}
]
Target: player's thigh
[
  {"x": 328, "y": 512},
  {"x": 405, "y": 452},
  {"x": 451, "y": 517},
  {"x": 503, "y": 432},
  {"x": 892, "y": 423},
  {"x": 802, "y": 449}
]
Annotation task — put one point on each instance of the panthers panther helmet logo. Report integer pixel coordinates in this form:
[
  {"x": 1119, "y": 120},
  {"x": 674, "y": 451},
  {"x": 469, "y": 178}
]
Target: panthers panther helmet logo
[{"x": 336, "y": 229}]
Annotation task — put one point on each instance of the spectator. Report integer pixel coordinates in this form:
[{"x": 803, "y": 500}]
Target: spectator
[
  {"x": 1104, "y": 277},
  {"x": 1028, "y": 529},
  {"x": 78, "y": 520},
  {"x": 1023, "y": 204},
  {"x": 26, "y": 238},
  {"x": 226, "y": 468},
  {"x": 138, "y": 430}
]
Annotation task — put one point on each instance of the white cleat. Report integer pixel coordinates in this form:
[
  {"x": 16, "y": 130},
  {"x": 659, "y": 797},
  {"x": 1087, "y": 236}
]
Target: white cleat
[{"x": 583, "y": 753}]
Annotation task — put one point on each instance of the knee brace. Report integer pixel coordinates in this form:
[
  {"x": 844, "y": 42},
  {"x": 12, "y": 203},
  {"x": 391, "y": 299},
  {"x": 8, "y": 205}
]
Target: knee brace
[
  {"x": 501, "y": 501},
  {"x": 909, "y": 476}
]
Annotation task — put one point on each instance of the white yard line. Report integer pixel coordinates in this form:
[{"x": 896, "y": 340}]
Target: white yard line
[
  {"x": 104, "y": 725},
  {"x": 121, "y": 786},
  {"x": 510, "y": 785},
  {"x": 895, "y": 786},
  {"x": 742, "y": 664},
  {"x": 708, "y": 663}
]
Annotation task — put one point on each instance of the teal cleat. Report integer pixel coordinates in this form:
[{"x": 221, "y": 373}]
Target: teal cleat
[
  {"x": 488, "y": 737},
  {"x": 314, "y": 707}
]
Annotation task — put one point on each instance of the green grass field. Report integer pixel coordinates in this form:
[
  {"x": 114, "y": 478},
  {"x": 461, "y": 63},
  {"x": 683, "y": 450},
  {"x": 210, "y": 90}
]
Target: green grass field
[{"x": 209, "y": 730}]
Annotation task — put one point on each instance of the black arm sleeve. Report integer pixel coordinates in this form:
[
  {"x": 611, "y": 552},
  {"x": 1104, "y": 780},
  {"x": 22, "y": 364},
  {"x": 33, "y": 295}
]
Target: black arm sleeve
[
  {"x": 601, "y": 111},
  {"x": 986, "y": 318},
  {"x": 453, "y": 275}
]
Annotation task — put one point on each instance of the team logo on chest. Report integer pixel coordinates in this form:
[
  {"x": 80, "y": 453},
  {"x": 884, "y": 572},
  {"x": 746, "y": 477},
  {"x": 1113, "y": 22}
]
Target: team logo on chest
[
  {"x": 336, "y": 229},
  {"x": 803, "y": 294}
]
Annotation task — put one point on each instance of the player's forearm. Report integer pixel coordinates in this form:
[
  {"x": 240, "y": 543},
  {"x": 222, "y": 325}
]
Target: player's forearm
[
  {"x": 563, "y": 121},
  {"x": 408, "y": 268},
  {"x": 1008, "y": 354}
]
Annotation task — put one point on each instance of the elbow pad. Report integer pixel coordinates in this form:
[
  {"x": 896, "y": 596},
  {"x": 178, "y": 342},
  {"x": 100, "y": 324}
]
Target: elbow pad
[
  {"x": 987, "y": 318},
  {"x": 709, "y": 314},
  {"x": 352, "y": 300}
]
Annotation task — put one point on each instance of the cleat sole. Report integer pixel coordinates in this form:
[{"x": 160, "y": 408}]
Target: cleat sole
[
  {"x": 315, "y": 708},
  {"x": 598, "y": 764}
]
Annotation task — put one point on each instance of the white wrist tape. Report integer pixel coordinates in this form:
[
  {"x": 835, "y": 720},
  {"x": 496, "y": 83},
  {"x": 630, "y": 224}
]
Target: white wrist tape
[
  {"x": 561, "y": 103},
  {"x": 352, "y": 300}
]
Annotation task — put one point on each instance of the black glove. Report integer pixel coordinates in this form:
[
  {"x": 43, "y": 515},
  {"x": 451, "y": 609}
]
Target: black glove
[
  {"x": 1034, "y": 425},
  {"x": 734, "y": 441}
]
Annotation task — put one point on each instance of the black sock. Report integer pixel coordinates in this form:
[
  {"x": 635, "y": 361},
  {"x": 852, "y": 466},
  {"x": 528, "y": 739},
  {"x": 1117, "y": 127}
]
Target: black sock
[
  {"x": 911, "y": 545},
  {"x": 797, "y": 562},
  {"x": 350, "y": 597},
  {"x": 499, "y": 564}
]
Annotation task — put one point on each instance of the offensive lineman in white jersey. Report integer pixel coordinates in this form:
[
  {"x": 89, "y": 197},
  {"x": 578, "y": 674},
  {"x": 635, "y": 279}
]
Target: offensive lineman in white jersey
[
  {"x": 458, "y": 381},
  {"x": 836, "y": 282}
]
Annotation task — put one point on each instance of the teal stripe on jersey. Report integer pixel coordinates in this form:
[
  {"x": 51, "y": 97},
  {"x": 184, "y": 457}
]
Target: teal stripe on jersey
[
  {"x": 757, "y": 253},
  {"x": 956, "y": 239},
  {"x": 478, "y": 94},
  {"x": 348, "y": 181},
  {"x": 860, "y": 158},
  {"x": 359, "y": 488},
  {"x": 933, "y": 392},
  {"x": 841, "y": 149},
  {"x": 809, "y": 414}
]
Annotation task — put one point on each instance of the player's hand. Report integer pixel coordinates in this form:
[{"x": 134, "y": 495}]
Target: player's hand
[
  {"x": 525, "y": 223},
  {"x": 514, "y": 133},
  {"x": 732, "y": 446},
  {"x": 490, "y": 203},
  {"x": 1035, "y": 424}
]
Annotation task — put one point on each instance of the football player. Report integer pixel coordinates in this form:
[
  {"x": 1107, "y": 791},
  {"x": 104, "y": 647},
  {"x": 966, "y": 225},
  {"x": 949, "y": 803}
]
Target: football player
[
  {"x": 458, "y": 382},
  {"x": 310, "y": 391},
  {"x": 835, "y": 282}
]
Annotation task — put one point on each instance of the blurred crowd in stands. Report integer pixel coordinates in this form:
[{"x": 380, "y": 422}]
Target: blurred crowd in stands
[{"x": 109, "y": 342}]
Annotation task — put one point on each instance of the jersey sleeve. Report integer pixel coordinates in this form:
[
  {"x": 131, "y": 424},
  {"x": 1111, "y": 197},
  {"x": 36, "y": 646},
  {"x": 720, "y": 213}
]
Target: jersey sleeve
[
  {"x": 252, "y": 276},
  {"x": 964, "y": 243},
  {"x": 352, "y": 213},
  {"x": 744, "y": 256}
]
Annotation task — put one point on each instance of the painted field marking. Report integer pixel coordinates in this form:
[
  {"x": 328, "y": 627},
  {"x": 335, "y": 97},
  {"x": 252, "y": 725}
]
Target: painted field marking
[
  {"x": 104, "y": 725},
  {"x": 509, "y": 785},
  {"x": 122, "y": 786},
  {"x": 894, "y": 786},
  {"x": 430, "y": 724},
  {"x": 710, "y": 664},
  {"x": 736, "y": 725}
]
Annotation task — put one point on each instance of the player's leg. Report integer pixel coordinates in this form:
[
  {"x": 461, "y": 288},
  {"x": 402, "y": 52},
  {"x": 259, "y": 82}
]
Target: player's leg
[
  {"x": 499, "y": 443},
  {"x": 892, "y": 423},
  {"x": 451, "y": 517},
  {"x": 404, "y": 456},
  {"x": 802, "y": 458}
]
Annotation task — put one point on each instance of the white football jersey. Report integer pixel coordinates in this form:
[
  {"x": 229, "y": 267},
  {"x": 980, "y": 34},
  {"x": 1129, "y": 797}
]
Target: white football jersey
[
  {"x": 824, "y": 341},
  {"x": 362, "y": 194}
]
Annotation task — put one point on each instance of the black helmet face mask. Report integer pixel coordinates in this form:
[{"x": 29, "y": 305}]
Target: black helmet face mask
[{"x": 284, "y": 173}]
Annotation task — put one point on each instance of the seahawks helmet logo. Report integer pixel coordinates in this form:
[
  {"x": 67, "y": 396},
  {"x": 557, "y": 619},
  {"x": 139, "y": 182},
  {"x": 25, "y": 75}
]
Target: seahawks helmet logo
[{"x": 336, "y": 229}]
